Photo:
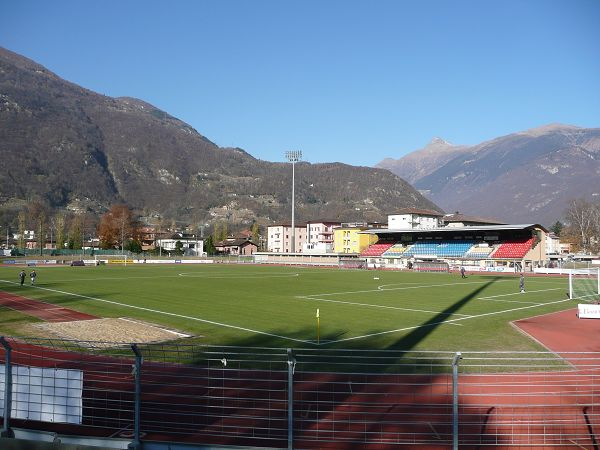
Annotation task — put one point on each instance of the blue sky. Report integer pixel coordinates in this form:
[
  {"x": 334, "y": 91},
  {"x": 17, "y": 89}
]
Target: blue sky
[{"x": 342, "y": 81}]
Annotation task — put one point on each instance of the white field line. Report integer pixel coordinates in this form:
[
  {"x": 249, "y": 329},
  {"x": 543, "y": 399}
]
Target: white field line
[
  {"x": 516, "y": 293},
  {"x": 160, "y": 328},
  {"x": 218, "y": 275},
  {"x": 167, "y": 313},
  {"x": 370, "y": 305},
  {"x": 252, "y": 275},
  {"x": 446, "y": 322},
  {"x": 425, "y": 286},
  {"x": 495, "y": 298},
  {"x": 510, "y": 301},
  {"x": 384, "y": 288},
  {"x": 313, "y": 297}
]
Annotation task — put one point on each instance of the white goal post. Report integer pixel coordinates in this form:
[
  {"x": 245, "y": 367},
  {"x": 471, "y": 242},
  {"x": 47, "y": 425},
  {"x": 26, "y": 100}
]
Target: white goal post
[
  {"x": 584, "y": 284},
  {"x": 352, "y": 263}
]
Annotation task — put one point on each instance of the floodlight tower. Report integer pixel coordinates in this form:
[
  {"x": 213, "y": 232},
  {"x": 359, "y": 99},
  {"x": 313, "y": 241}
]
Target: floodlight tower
[{"x": 293, "y": 156}]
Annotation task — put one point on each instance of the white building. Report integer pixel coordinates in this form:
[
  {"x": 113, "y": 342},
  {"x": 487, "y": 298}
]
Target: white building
[
  {"x": 552, "y": 244},
  {"x": 414, "y": 219},
  {"x": 279, "y": 238},
  {"x": 191, "y": 244},
  {"x": 319, "y": 236}
]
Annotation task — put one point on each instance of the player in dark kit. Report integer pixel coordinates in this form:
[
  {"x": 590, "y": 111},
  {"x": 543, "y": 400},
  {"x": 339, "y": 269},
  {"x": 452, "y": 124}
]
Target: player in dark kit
[
  {"x": 22, "y": 277},
  {"x": 522, "y": 284}
]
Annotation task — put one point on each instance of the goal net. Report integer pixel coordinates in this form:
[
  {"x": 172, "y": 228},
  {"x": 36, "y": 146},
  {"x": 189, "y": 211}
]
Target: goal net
[
  {"x": 428, "y": 266},
  {"x": 352, "y": 263},
  {"x": 584, "y": 285}
]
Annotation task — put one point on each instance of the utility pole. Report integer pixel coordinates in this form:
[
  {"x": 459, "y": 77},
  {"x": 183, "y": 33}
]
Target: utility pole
[{"x": 293, "y": 156}]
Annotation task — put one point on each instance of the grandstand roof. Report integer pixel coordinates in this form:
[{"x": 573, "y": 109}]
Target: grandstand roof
[{"x": 457, "y": 229}]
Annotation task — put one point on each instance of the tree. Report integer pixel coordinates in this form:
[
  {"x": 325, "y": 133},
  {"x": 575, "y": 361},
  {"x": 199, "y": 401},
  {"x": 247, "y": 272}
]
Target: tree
[
  {"x": 557, "y": 228},
  {"x": 178, "y": 248},
  {"x": 224, "y": 232},
  {"x": 21, "y": 218},
  {"x": 255, "y": 233},
  {"x": 584, "y": 222},
  {"x": 209, "y": 246},
  {"x": 133, "y": 246},
  {"x": 59, "y": 224},
  {"x": 115, "y": 226},
  {"x": 216, "y": 236},
  {"x": 75, "y": 239},
  {"x": 37, "y": 219}
]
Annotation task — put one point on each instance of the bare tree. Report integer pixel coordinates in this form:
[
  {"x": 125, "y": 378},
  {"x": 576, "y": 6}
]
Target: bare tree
[
  {"x": 595, "y": 238},
  {"x": 584, "y": 220},
  {"x": 21, "y": 218},
  {"x": 75, "y": 233},
  {"x": 59, "y": 224},
  {"x": 37, "y": 218}
]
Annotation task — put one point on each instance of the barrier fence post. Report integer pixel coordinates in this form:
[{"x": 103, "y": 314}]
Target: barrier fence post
[
  {"x": 291, "y": 368},
  {"x": 457, "y": 358},
  {"x": 137, "y": 374},
  {"x": 6, "y": 431}
]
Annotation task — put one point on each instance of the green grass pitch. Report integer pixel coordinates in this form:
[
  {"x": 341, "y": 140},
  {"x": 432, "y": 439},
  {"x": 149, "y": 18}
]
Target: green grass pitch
[{"x": 271, "y": 306}]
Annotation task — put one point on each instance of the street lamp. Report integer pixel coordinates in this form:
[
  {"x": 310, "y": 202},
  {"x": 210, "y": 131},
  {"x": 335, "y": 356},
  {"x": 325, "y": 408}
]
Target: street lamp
[{"x": 293, "y": 156}]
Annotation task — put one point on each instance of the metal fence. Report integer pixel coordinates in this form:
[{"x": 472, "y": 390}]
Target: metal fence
[{"x": 300, "y": 398}]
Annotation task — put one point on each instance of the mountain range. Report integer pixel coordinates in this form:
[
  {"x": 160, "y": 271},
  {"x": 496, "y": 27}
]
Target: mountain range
[
  {"x": 71, "y": 148},
  {"x": 524, "y": 177}
]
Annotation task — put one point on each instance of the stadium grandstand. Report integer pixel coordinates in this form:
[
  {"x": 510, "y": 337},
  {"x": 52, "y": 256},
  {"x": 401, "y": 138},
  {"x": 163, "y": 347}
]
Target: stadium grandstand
[
  {"x": 477, "y": 248},
  {"x": 430, "y": 241}
]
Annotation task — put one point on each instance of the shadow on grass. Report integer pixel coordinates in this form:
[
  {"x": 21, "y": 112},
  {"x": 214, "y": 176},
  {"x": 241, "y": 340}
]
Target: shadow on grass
[{"x": 198, "y": 392}]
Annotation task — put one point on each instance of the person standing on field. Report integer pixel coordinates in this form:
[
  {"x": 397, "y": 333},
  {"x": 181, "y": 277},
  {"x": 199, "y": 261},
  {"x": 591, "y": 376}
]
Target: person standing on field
[
  {"x": 22, "y": 276},
  {"x": 462, "y": 272},
  {"x": 522, "y": 284},
  {"x": 33, "y": 275}
]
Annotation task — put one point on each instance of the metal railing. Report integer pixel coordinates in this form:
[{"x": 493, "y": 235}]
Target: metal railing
[{"x": 303, "y": 398}]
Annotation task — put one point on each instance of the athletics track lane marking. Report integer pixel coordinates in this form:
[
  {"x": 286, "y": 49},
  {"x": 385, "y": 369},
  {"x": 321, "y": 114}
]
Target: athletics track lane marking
[{"x": 141, "y": 308}]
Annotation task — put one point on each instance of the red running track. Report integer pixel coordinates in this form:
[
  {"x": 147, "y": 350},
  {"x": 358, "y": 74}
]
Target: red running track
[
  {"x": 196, "y": 404},
  {"x": 563, "y": 332},
  {"x": 42, "y": 310}
]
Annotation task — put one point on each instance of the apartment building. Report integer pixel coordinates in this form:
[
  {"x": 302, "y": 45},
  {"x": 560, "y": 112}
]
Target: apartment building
[
  {"x": 414, "y": 219},
  {"x": 279, "y": 238}
]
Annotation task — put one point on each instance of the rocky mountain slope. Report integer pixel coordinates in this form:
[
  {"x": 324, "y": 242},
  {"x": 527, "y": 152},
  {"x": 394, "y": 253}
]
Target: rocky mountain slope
[
  {"x": 74, "y": 148},
  {"x": 524, "y": 177}
]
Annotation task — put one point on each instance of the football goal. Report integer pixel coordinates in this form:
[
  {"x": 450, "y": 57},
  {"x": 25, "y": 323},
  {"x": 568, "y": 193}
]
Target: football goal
[
  {"x": 352, "y": 263},
  {"x": 584, "y": 285}
]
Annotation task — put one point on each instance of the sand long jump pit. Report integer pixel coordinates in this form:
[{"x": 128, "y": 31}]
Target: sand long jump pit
[{"x": 109, "y": 332}]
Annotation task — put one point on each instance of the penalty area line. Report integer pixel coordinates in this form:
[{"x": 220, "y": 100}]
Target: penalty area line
[
  {"x": 166, "y": 313},
  {"x": 370, "y": 305},
  {"x": 448, "y": 322},
  {"x": 517, "y": 293}
]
